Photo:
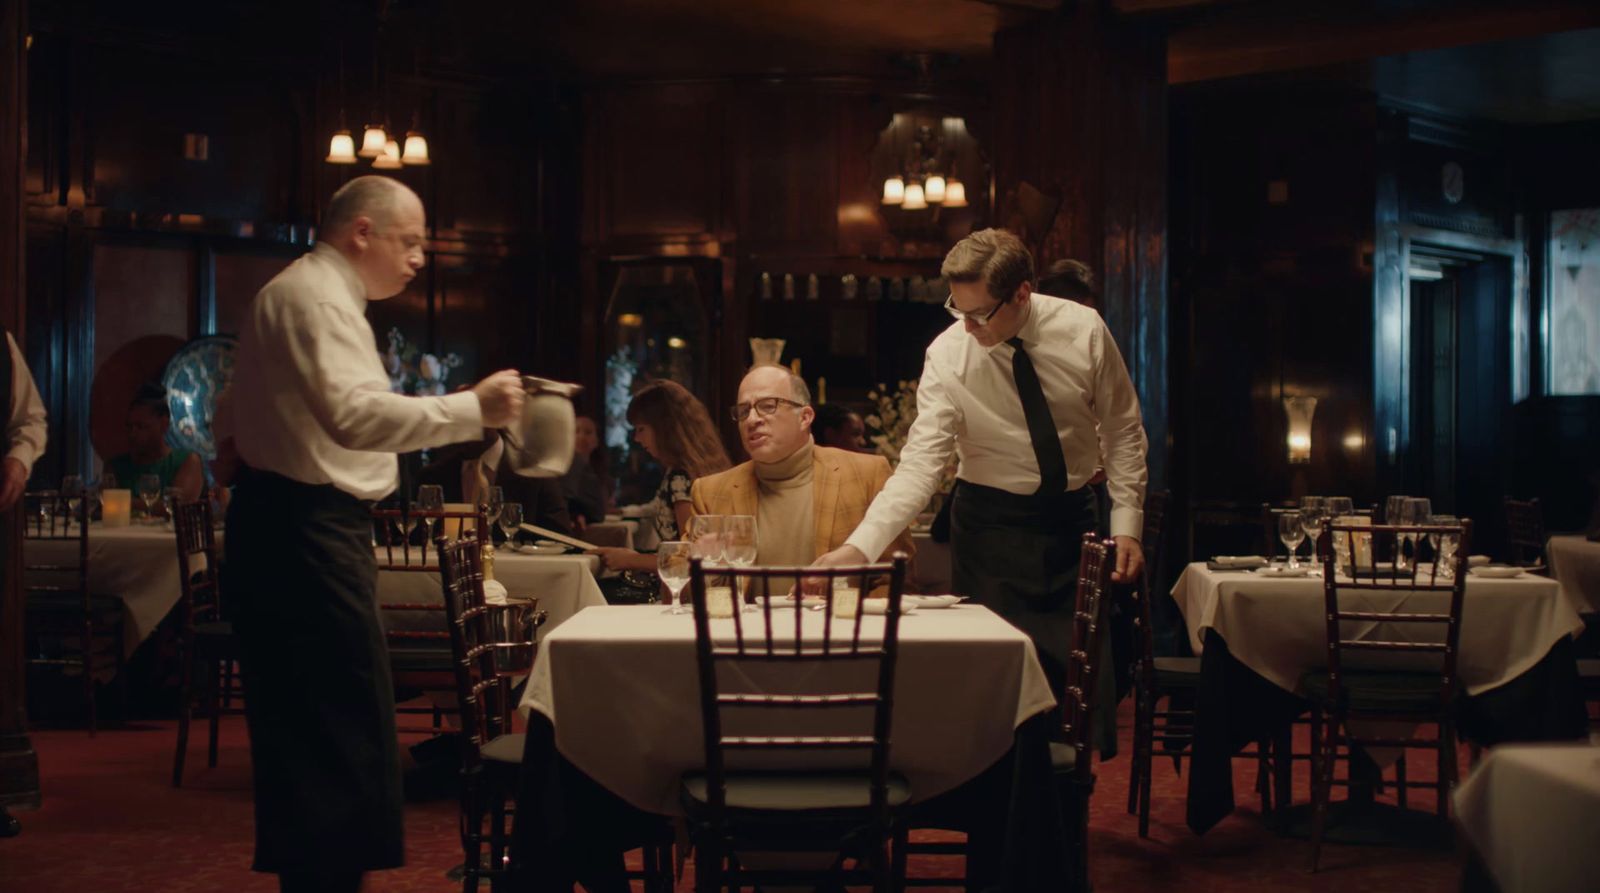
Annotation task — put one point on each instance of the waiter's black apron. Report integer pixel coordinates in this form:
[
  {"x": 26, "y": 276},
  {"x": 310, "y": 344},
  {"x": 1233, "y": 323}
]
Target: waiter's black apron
[
  {"x": 318, "y": 694},
  {"x": 1018, "y": 556}
]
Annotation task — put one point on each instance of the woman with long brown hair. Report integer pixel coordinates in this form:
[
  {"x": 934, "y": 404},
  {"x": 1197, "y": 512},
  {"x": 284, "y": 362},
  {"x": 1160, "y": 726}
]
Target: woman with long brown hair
[{"x": 676, "y": 430}]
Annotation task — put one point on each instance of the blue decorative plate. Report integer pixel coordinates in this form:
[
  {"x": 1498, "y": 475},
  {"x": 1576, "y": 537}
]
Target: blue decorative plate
[{"x": 196, "y": 374}]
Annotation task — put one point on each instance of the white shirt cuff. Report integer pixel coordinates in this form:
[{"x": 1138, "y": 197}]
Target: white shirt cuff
[{"x": 1127, "y": 521}]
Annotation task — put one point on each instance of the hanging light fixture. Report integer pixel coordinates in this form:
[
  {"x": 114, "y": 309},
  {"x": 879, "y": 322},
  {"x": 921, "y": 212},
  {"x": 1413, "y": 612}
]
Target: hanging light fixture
[
  {"x": 933, "y": 189},
  {"x": 373, "y": 139},
  {"x": 416, "y": 151},
  {"x": 342, "y": 146},
  {"x": 916, "y": 199},
  {"x": 955, "y": 194},
  {"x": 894, "y": 190},
  {"x": 390, "y": 159}
]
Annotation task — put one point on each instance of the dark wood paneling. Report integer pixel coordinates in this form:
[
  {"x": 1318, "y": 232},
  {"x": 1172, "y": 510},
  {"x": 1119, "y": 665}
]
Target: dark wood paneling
[
  {"x": 658, "y": 151},
  {"x": 238, "y": 276},
  {"x": 141, "y": 289},
  {"x": 787, "y": 172}
]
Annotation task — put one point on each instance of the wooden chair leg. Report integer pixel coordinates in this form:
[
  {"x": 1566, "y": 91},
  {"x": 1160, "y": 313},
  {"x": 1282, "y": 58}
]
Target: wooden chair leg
[
  {"x": 185, "y": 710},
  {"x": 1400, "y": 780},
  {"x": 1321, "y": 766},
  {"x": 1138, "y": 735},
  {"x": 707, "y": 866},
  {"x": 901, "y": 840},
  {"x": 213, "y": 711}
]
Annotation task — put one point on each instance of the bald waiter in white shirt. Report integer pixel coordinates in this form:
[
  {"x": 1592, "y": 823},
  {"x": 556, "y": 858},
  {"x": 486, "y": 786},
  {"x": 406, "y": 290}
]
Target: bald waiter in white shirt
[
  {"x": 317, "y": 429},
  {"x": 1017, "y": 389}
]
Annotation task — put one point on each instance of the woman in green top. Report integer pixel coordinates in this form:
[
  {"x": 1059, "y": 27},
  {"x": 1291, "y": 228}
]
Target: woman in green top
[{"x": 148, "y": 452}]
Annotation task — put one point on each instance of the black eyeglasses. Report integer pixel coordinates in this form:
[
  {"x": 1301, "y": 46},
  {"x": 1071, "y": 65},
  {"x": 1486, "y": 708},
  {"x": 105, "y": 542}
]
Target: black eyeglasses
[
  {"x": 766, "y": 406},
  {"x": 977, "y": 319}
]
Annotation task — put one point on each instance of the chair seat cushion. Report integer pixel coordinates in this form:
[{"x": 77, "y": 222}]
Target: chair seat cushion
[
  {"x": 1177, "y": 672},
  {"x": 1377, "y": 691},
  {"x": 1063, "y": 757},
  {"x": 796, "y": 792},
  {"x": 504, "y": 749}
]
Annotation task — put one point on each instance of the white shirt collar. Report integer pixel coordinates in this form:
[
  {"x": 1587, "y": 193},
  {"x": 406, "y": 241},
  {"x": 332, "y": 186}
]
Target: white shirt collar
[{"x": 352, "y": 280}]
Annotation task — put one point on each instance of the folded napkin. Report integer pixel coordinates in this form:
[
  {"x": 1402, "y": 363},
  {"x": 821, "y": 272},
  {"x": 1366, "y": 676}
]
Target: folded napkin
[
  {"x": 1235, "y": 562},
  {"x": 494, "y": 592}
]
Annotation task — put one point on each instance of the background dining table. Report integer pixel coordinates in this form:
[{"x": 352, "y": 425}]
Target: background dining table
[
  {"x": 1528, "y": 813},
  {"x": 1257, "y": 634},
  {"x": 1575, "y": 563}
]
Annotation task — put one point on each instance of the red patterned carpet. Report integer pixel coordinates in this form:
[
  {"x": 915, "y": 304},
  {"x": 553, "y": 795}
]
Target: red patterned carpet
[{"x": 111, "y": 822}]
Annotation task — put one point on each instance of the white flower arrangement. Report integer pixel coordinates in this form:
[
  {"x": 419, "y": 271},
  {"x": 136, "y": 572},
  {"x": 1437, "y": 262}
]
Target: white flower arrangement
[
  {"x": 413, "y": 372},
  {"x": 889, "y": 424}
]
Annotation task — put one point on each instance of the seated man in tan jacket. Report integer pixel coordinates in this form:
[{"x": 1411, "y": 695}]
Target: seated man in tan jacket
[{"x": 806, "y": 498}]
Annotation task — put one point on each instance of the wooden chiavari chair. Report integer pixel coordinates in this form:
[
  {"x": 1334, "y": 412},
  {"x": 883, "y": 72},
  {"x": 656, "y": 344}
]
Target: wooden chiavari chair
[
  {"x": 1371, "y": 613},
  {"x": 69, "y": 629},
  {"x": 206, "y": 639},
  {"x": 417, "y": 632},
  {"x": 733, "y": 810},
  {"x": 1071, "y": 760}
]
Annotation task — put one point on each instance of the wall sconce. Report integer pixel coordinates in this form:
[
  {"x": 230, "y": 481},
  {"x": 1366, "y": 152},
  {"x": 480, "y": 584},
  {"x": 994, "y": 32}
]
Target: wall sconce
[{"x": 1299, "y": 410}]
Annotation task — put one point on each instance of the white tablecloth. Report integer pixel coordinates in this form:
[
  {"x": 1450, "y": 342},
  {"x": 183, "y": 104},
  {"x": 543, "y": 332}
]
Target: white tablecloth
[
  {"x": 619, "y": 685},
  {"x": 1276, "y": 627},
  {"x": 1530, "y": 810},
  {"x": 1575, "y": 563},
  {"x": 139, "y": 564},
  {"x": 564, "y": 584}
]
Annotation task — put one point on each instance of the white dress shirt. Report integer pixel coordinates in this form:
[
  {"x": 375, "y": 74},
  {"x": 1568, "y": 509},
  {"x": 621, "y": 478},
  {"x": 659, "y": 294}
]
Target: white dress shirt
[
  {"x": 27, "y": 428},
  {"x": 310, "y": 399},
  {"x": 967, "y": 402}
]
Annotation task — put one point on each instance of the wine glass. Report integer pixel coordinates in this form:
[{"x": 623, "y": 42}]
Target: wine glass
[
  {"x": 72, "y": 493},
  {"x": 739, "y": 545},
  {"x": 672, "y": 563},
  {"x": 510, "y": 518},
  {"x": 1392, "y": 507},
  {"x": 430, "y": 501},
  {"x": 1413, "y": 511},
  {"x": 1311, "y": 515},
  {"x": 171, "y": 498},
  {"x": 706, "y": 533},
  {"x": 1290, "y": 531},
  {"x": 149, "y": 493},
  {"x": 1444, "y": 545},
  {"x": 494, "y": 498}
]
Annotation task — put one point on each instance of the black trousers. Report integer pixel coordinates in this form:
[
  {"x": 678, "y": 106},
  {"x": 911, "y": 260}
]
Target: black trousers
[
  {"x": 1018, "y": 556},
  {"x": 318, "y": 695}
]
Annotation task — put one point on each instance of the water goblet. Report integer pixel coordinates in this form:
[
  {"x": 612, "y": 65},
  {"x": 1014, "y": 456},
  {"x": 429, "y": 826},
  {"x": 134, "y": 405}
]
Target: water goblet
[
  {"x": 430, "y": 501},
  {"x": 739, "y": 545},
  {"x": 149, "y": 494},
  {"x": 672, "y": 563},
  {"x": 1311, "y": 515},
  {"x": 72, "y": 494},
  {"x": 1290, "y": 531},
  {"x": 509, "y": 519}
]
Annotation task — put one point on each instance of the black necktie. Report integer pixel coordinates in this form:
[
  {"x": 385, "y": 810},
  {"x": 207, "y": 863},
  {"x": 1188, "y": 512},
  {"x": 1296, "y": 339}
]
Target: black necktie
[{"x": 1041, "y": 427}]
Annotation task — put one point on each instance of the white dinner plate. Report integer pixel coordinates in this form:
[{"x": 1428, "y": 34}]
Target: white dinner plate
[
  {"x": 1278, "y": 571},
  {"x": 881, "y": 606},
  {"x": 545, "y": 549},
  {"x": 927, "y": 602},
  {"x": 1496, "y": 571}
]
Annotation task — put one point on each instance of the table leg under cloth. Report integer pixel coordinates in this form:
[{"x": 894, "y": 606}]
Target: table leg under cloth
[
  {"x": 1236, "y": 706},
  {"x": 571, "y": 829}
]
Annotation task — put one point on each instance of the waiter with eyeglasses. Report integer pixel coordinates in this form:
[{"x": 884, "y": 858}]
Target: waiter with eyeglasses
[{"x": 1026, "y": 390}]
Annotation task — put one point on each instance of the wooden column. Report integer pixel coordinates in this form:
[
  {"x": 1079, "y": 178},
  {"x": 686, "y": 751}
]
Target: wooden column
[
  {"x": 19, "y": 767},
  {"x": 1080, "y": 117}
]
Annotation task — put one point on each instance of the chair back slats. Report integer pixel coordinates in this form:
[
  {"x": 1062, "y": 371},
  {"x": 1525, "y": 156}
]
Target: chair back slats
[
  {"x": 392, "y": 532},
  {"x": 197, "y": 563},
  {"x": 1350, "y": 628},
  {"x": 484, "y": 694},
  {"x": 1525, "y": 533},
  {"x": 1152, "y": 541},
  {"x": 1096, "y": 559},
  {"x": 786, "y": 637}
]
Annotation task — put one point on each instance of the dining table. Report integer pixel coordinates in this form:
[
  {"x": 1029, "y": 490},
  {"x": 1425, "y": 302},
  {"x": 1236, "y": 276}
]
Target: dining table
[
  {"x": 1527, "y": 813},
  {"x": 613, "y": 708},
  {"x": 1257, "y": 633},
  {"x": 1575, "y": 563},
  {"x": 139, "y": 564}
]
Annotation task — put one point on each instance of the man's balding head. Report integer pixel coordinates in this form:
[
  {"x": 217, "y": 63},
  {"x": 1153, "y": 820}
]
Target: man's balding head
[
  {"x": 378, "y": 224},
  {"x": 774, "y": 437}
]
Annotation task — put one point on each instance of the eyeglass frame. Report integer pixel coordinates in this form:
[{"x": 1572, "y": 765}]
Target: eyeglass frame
[
  {"x": 739, "y": 417},
  {"x": 963, "y": 316}
]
